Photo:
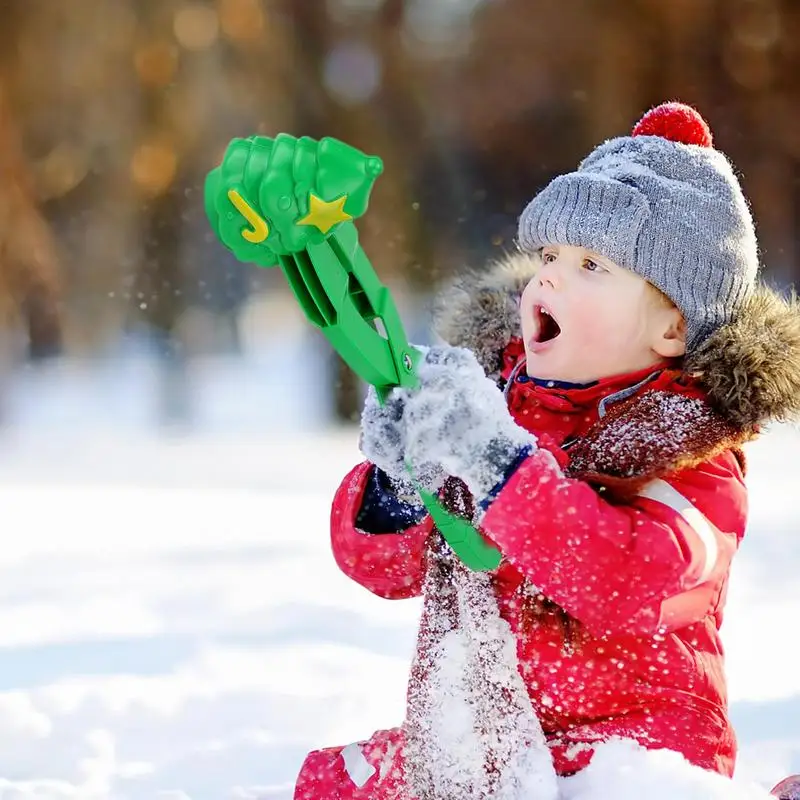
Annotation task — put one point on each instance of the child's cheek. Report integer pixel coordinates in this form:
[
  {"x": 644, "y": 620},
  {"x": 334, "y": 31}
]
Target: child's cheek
[{"x": 595, "y": 332}]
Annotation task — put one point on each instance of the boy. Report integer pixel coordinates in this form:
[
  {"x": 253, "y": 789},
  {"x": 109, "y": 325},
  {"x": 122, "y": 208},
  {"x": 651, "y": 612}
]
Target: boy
[{"x": 637, "y": 352}]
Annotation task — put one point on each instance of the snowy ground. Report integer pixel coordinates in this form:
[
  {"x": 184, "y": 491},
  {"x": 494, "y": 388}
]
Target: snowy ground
[{"x": 173, "y": 626}]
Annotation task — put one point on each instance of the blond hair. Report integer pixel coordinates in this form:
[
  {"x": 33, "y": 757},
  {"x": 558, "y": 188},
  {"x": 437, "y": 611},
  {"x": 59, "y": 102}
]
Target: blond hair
[{"x": 658, "y": 297}]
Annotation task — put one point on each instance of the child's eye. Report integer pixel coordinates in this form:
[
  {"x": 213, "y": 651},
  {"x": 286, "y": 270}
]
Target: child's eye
[
  {"x": 548, "y": 258},
  {"x": 593, "y": 266}
]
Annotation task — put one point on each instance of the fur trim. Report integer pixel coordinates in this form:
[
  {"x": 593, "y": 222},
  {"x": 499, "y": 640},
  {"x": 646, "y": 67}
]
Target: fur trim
[
  {"x": 750, "y": 367},
  {"x": 480, "y": 310}
]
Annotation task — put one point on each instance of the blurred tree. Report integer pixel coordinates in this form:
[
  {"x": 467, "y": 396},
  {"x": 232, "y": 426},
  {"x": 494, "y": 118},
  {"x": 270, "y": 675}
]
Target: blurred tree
[
  {"x": 29, "y": 272},
  {"x": 156, "y": 169}
]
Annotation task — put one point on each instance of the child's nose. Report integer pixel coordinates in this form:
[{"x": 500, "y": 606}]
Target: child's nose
[{"x": 548, "y": 275}]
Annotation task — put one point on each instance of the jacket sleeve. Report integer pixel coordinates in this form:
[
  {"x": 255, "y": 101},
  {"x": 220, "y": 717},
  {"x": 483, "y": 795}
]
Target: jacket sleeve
[
  {"x": 651, "y": 566},
  {"x": 389, "y": 565}
]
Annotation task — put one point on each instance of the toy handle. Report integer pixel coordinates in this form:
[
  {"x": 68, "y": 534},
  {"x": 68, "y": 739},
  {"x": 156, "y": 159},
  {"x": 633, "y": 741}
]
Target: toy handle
[{"x": 465, "y": 541}]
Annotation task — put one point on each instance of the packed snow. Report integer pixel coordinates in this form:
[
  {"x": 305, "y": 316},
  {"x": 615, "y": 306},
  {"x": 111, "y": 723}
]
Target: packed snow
[{"x": 173, "y": 624}]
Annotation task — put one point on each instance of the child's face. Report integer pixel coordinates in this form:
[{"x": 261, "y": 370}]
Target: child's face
[{"x": 585, "y": 318}]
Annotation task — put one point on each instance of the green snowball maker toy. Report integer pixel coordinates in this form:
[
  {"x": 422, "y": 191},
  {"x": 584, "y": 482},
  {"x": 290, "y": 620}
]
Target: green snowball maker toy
[{"x": 291, "y": 203}]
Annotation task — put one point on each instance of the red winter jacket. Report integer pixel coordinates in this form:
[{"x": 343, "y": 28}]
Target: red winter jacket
[{"x": 646, "y": 580}]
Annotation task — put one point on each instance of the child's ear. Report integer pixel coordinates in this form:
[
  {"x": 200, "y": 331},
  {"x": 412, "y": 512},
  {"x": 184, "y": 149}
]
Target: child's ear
[{"x": 671, "y": 340}]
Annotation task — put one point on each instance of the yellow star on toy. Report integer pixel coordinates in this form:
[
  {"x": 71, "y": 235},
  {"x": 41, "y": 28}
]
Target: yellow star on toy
[{"x": 325, "y": 215}]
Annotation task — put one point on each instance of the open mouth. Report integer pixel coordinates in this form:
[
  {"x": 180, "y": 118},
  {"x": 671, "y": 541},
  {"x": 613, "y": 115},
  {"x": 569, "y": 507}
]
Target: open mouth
[{"x": 547, "y": 328}]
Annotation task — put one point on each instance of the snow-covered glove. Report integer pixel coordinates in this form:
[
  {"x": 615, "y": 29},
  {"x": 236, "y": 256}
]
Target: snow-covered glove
[
  {"x": 383, "y": 442},
  {"x": 457, "y": 419}
]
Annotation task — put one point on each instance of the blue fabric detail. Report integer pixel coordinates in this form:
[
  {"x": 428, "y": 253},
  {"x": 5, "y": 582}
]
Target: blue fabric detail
[
  {"x": 382, "y": 511},
  {"x": 522, "y": 454},
  {"x": 547, "y": 384}
]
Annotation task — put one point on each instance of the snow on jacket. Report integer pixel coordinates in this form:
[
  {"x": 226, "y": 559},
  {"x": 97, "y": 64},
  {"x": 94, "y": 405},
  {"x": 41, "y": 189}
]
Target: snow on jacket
[{"x": 626, "y": 519}]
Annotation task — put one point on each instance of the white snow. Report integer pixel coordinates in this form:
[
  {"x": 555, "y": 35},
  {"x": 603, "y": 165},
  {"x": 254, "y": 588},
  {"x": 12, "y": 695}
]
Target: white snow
[
  {"x": 621, "y": 770},
  {"x": 469, "y": 707},
  {"x": 173, "y": 625}
]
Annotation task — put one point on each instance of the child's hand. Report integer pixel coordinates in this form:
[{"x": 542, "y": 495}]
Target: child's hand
[
  {"x": 458, "y": 420},
  {"x": 383, "y": 442}
]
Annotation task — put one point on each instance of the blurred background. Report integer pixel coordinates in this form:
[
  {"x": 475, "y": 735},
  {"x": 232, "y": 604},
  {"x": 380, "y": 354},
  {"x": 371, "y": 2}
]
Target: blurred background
[
  {"x": 119, "y": 307},
  {"x": 172, "y": 430}
]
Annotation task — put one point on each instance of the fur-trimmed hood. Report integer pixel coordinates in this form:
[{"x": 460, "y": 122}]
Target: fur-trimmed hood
[{"x": 750, "y": 368}]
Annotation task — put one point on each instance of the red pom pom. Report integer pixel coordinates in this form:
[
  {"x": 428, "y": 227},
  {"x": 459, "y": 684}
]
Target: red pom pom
[{"x": 676, "y": 122}]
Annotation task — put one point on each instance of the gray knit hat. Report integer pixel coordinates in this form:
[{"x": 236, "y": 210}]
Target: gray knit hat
[{"x": 663, "y": 203}]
